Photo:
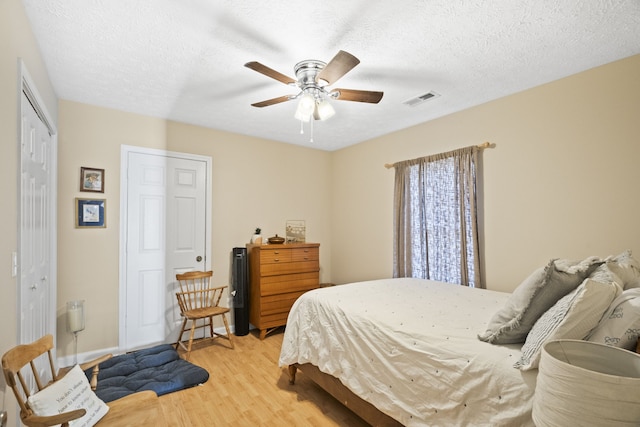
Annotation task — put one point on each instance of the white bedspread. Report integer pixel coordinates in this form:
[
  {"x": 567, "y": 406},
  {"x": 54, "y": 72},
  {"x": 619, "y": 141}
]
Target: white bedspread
[{"x": 410, "y": 347}]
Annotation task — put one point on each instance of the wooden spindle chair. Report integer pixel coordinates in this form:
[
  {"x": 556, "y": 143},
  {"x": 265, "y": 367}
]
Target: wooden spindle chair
[{"x": 199, "y": 300}]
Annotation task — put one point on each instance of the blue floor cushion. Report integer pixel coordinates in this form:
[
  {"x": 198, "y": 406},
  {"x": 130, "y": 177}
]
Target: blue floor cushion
[{"x": 158, "y": 368}]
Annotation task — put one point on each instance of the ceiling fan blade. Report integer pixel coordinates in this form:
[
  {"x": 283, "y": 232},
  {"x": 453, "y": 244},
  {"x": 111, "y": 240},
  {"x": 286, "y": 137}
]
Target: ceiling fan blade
[
  {"x": 340, "y": 65},
  {"x": 358, "y": 95},
  {"x": 269, "y": 72},
  {"x": 273, "y": 101}
]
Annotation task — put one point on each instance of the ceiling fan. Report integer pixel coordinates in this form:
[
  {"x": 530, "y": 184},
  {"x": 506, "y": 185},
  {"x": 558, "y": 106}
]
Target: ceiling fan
[{"x": 312, "y": 78}]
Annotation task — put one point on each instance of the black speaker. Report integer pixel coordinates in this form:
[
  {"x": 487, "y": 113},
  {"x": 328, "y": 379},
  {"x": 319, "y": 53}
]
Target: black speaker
[{"x": 240, "y": 284}]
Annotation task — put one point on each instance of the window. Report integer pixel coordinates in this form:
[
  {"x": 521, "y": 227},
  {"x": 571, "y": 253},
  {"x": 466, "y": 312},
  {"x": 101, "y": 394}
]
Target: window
[{"x": 436, "y": 232}]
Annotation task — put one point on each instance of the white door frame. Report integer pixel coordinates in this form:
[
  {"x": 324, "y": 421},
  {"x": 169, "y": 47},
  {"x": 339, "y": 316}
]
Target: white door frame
[
  {"x": 124, "y": 160},
  {"x": 27, "y": 85}
]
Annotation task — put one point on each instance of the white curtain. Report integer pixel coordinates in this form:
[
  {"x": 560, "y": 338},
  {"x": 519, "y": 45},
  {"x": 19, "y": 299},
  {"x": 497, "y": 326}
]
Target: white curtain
[{"x": 435, "y": 220}]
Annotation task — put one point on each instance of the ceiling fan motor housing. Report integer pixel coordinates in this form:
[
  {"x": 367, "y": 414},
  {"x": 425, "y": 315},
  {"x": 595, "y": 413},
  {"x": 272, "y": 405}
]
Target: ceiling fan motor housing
[{"x": 307, "y": 73}]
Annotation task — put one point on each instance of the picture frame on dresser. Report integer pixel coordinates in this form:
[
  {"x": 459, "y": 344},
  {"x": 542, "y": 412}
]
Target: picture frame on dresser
[{"x": 295, "y": 231}]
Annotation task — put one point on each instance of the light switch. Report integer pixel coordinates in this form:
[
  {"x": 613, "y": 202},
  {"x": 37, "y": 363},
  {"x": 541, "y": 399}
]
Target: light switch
[{"x": 14, "y": 264}]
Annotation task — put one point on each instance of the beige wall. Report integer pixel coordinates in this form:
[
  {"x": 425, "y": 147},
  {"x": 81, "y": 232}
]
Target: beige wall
[
  {"x": 16, "y": 41},
  {"x": 88, "y": 259},
  {"x": 256, "y": 182},
  {"x": 562, "y": 181}
]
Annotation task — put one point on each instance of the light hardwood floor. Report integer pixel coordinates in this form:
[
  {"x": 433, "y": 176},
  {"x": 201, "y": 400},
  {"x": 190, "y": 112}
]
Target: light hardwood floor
[{"x": 247, "y": 388}]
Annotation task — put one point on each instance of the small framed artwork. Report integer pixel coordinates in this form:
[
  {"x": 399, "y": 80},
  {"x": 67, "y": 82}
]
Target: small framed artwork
[
  {"x": 90, "y": 213},
  {"x": 295, "y": 231},
  {"x": 92, "y": 179}
]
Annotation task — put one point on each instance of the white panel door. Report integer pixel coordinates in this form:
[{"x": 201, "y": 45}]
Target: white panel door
[
  {"x": 165, "y": 233},
  {"x": 37, "y": 284}
]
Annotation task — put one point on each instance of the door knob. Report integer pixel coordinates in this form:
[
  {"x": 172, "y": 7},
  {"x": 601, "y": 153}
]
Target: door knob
[{"x": 198, "y": 258}]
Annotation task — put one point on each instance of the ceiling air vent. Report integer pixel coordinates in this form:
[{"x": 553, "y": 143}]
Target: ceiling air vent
[{"x": 420, "y": 99}]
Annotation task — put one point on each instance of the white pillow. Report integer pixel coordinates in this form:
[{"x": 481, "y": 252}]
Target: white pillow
[
  {"x": 620, "y": 324},
  {"x": 572, "y": 317},
  {"x": 71, "y": 392}
]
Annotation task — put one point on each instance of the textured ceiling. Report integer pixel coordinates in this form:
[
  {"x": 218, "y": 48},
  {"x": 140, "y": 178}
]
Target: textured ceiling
[{"x": 184, "y": 60}]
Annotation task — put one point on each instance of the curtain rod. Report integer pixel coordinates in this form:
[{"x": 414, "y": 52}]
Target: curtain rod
[{"x": 482, "y": 146}]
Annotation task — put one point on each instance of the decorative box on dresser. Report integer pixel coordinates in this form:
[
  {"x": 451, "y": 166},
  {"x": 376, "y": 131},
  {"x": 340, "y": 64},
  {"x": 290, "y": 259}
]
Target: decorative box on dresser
[{"x": 278, "y": 275}]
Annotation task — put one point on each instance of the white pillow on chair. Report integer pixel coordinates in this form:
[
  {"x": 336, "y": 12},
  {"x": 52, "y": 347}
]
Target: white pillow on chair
[{"x": 71, "y": 392}]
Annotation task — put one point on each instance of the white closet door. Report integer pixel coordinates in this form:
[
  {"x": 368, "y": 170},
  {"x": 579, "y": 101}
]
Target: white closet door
[{"x": 166, "y": 234}]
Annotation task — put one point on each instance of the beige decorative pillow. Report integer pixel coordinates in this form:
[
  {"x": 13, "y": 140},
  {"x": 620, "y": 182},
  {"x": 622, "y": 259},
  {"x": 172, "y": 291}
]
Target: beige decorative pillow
[
  {"x": 574, "y": 316},
  {"x": 71, "y": 392},
  {"x": 627, "y": 268},
  {"x": 604, "y": 274},
  {"x": 534, "y": 296}
]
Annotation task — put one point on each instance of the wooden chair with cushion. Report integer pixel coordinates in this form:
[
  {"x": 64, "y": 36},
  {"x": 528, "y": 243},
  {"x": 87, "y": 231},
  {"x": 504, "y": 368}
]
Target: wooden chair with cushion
[
  {"x": 199, "y": 300},
  {"x": 60, "y": 397}
]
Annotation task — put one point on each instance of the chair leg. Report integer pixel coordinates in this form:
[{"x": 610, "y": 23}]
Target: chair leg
[
  {"x": 226, "y": 325},
  {"x": 184, "y": 323},
  {"x": 212, "y": 334},
  {"x": 193, "y": 330}
]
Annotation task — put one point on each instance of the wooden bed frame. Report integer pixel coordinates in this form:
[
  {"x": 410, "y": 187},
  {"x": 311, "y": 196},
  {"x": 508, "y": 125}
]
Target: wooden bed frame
[{"x": 335, "y": 388}]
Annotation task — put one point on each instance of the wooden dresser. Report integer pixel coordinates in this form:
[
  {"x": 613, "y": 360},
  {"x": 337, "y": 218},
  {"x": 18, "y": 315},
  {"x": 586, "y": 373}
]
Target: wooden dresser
[{"x": 278, "y": 275}]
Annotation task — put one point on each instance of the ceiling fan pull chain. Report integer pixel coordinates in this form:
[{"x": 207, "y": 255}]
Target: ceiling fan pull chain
[{"x": 311, "y": 125}]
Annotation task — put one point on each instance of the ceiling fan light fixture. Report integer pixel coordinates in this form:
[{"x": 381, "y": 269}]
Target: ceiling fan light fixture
[
  {"x": 325, "y": 110},
  {"x": 305, "y": 108},
  {"x": 299, "y": 116}
]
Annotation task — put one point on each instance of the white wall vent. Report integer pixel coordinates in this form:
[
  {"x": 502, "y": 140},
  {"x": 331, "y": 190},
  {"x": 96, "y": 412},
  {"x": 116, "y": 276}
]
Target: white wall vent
[{"x": 420, "y": 99}]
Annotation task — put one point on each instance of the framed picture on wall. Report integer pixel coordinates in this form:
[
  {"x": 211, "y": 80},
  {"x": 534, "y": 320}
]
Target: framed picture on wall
[
  {"x": 92, "y": 179},
  {"x": 90, "y": 213}
]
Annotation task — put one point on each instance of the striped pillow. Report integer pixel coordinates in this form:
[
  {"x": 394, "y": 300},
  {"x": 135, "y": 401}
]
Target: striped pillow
[{"x": 572, "y": 317}]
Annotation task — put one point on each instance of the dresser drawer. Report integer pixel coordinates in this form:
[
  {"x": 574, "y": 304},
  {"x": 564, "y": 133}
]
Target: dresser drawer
[
  {"x": 305, "y": 254},
  {"x": 289, "y": 283},
  {"x": 282, "y": 303},
  {"x": 275, "y": 256},
  {"x": 286, "y": 268},
  {"x": 273, "y": 321}
]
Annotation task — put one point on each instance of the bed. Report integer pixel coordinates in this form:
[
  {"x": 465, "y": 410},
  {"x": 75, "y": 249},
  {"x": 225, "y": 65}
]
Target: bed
[
  {"x": 406, "y": 352},
  {"x": 417, "y": 352}
]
